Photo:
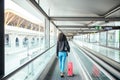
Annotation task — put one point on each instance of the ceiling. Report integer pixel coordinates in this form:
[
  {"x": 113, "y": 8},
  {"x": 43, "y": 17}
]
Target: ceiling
[{"x": 76, "y": 16}]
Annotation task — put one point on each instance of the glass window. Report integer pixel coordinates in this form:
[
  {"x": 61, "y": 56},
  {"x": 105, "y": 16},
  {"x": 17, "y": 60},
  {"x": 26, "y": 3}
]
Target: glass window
[
  {"x": 44, "y": 5},
  {"x": 17, "y": 42},
  {"x": 52, "y": 34},
  {"x": 24, "y": 34},
  {"x": 7, "y": 40},
  {"x": 113, "y": 38},
  {"x": 103, "y": 38},
  {"x": 86, "y": 38},
  {"x": 25, "y": 42},
  {"x": 94, "y": 38}
]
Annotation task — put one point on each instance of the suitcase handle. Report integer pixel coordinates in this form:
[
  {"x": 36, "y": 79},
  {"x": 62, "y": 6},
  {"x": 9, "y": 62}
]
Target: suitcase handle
[{"x": 68, "y": 60}]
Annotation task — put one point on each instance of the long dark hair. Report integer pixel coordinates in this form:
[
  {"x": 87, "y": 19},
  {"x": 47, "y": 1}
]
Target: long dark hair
[{"x": 61, "y": 37}]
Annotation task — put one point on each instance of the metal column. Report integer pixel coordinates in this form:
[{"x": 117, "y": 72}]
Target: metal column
[
  {"x": 1, "y": 38},
  {"x": 47, "y": 33}
]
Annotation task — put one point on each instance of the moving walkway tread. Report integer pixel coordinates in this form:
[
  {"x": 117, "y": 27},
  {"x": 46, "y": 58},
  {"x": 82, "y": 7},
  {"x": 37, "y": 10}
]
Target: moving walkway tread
[
  {"x": 90, "y": 66},
  {"x": 54, "y": 73}
]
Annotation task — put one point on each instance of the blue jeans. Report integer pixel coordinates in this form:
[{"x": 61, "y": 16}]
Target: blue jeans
[{"x": 62, "y": 57}]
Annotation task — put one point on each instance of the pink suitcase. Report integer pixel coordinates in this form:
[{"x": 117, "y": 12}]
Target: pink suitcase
[{"x": 70, "y": 69}]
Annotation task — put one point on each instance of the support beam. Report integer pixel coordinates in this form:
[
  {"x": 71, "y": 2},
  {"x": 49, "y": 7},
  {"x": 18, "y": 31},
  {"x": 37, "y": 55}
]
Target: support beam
[
  {"x": 39, "y": 8},
  {"x": 74, "y": 33},
  {"x": 55, "y": 25},
  {"x": 71, "y": 26},
  {"x": 84, "y": 19},
  {"x": 112, "y": 11},
  {"x": 10, "y": 19},
  {"x": 21, "y": 22},
  {"x": 6, "y": 17},
  {"x": 47, "y": 33},
  {"x": 86, "y": 32},
  {"x": 18, "y": 21},
  {"x": 71, "y": 30},
  {"x": 74, "y": 26}
]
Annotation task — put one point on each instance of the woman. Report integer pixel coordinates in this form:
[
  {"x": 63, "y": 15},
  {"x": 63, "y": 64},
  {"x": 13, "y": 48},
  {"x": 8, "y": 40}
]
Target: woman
[{"x": 62, "y": 49}]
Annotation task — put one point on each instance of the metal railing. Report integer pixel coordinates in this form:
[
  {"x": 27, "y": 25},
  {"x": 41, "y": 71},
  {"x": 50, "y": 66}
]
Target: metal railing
[{"x": 27, "y": 64}]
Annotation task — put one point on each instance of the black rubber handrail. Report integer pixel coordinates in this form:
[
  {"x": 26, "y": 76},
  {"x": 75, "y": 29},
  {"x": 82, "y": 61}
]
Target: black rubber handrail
[
  {"x": 24, "y": 65},
  {"x": 111, "y": 62},
  {"x": 104, "y": 64}
]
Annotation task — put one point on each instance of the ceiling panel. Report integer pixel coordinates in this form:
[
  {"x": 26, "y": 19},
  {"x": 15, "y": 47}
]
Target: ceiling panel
[
  {"x": 75, "y": 8},
  {"x": 81, "y": 7}
]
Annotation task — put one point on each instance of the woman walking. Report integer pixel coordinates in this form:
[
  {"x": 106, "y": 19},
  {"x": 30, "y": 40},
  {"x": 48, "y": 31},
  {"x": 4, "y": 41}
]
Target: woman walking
[{"x": 62, "y": 49}]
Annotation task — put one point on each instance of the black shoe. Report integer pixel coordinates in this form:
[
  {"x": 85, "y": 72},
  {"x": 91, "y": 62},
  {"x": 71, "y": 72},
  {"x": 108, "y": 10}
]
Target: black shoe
[{"x": 62, "y": 75}]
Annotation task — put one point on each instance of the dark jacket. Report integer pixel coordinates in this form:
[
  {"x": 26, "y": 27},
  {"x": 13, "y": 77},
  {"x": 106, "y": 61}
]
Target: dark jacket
[{"x": 63, "y": 46}]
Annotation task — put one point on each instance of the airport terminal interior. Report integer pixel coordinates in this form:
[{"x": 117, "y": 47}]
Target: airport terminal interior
[{"x": 29, "y": 34}]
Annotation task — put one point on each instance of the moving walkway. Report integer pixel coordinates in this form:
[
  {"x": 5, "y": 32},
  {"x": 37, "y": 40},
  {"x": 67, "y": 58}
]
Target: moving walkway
[{"x": 45, "y": 67}]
